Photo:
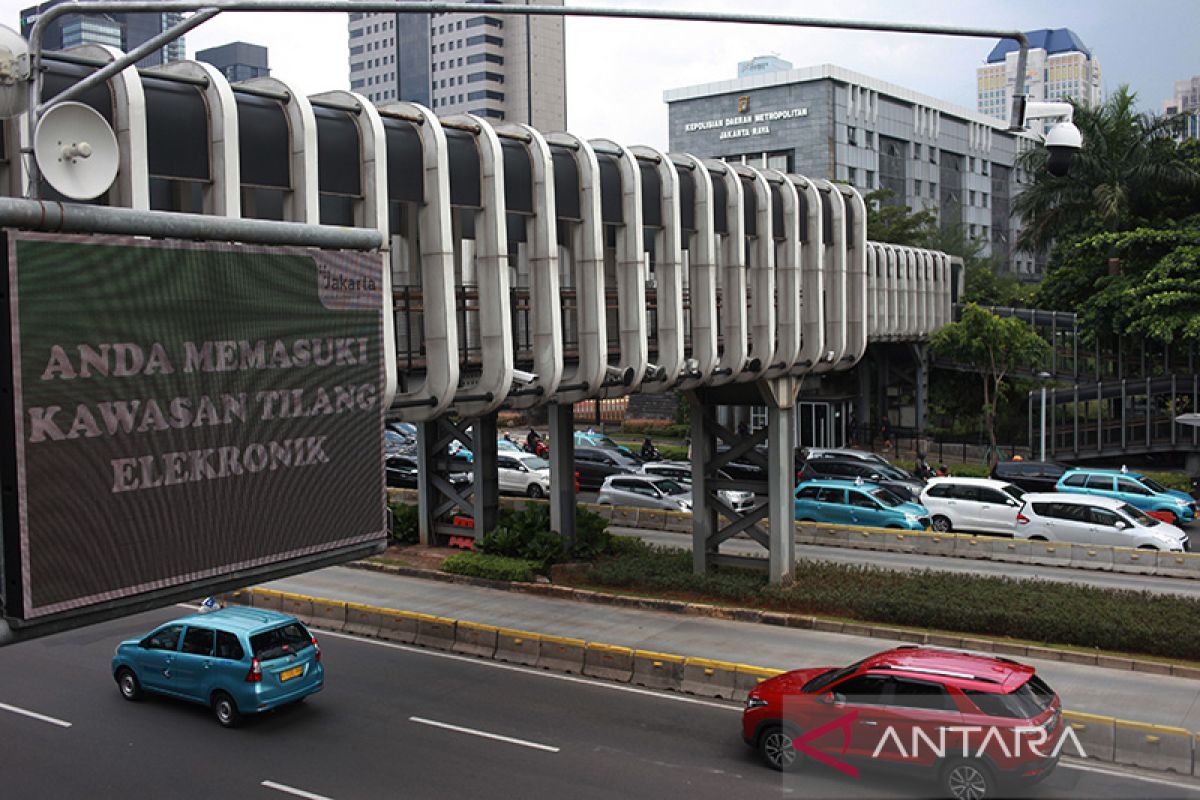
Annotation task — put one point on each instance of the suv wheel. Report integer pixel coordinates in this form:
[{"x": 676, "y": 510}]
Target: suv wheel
[
  {"x": 535, "y": 491},
  {"x": 966, "y": 779},
  {"x": 1148, "y": 547},
  {"x": 775, "y": 746},
  {"x": 225, "y": 710},
  {"x": 942, "y": 524},
  {"x": 127, "y": 682},
  {"x": 1037, "y": 539}
]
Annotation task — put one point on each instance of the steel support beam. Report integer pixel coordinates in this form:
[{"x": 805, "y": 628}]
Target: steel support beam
[
  {"x": 562, "y": 471},
  {"x": 781, "y": 435},
  {"x": 486, "y": 508}
]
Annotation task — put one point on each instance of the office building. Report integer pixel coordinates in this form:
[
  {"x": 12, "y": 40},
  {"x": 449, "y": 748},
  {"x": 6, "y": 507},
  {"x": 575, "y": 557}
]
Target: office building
[
  {"x": 1186, "y": 101},
  {"x": 499, "y": 67},
  {"x": 829, "y": 122},
  {"x": 1059, "y": 67},
  {"x": 238, "y": 61},
  {"x": 123, "y": 30}
]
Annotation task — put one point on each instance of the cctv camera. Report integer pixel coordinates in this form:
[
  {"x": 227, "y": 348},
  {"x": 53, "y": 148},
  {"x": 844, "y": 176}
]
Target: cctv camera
[
  {"x": 1063, "y": 141},
  {"x": 526, "y": 378}
]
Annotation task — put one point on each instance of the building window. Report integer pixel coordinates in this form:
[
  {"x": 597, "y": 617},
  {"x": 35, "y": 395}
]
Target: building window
[
  {"x": 971, "y": 197},
  {"x": 932, "y": 154},
  {"x": 852, "y": 175},
  {"x": 869, "y": 182},
  {"x": 485, "y": 39},
  {"x": 916, "y": 188},
  {"x": 851, "y": 136}
]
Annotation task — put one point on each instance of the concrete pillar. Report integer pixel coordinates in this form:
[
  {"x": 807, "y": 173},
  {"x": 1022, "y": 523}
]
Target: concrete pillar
[
  {"x": 921, "y": 374},
  {"x": 562, "y": 471},
  {"x": 427, "y": 436},
  {"x": 780, "y": 486},
  {"x": 704, "y": 519},
  {"x": 862, "y": 402},
  {"x": 487, "y": 484}
]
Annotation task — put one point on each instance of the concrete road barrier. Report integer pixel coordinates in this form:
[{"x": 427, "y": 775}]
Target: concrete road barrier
[
  {"x": 1153, "y": 747},
  {"x": 1091, "y": 557},
  {"x": 624, "y": 517},
  {"x": 936, "y": 544},
  {"x": 902, "y": 541},
  {"x": 435, "y": 632},
  {"x": 238, "y": 597},
  {"x": 397, "y": 626},
  {"x": 298, "y": 605},
  {"x": 562, "y": 654},
  {"x": 653, "y": 519},
  {"x": 268, "y": 599},
  {"x": 517, "y": 647},
  {"x": 608, "y": 661},
  {"x": 1178, "y": 565},
  {"x": 677, "y": 521},
  {"x": 1127, "y": 559},
  {"x": 1010, "y": 550},
  {"x": 967, "y": 546},
  {"x": 328, "y": 614},
  {"x": 866, "y": 539},
  {"x": 658, "y": 670},
  {"x": 709, "y": 678},
  {"x": 1050, "y": 554},
  {"x": 363, "y": 620},
  {"x": 825, "y": 535},
  {"x": 475, "y": 639},
  {"x": 1096, "y": 734},
  {"x": 746, "y": 677}
]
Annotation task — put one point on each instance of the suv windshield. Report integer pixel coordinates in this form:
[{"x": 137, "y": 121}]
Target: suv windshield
[
  {"x": 1153, "y": 485},
  {"x": 1027, "y": 701},
  {"x": 886, "y": 497},
  {"x": 668, "y": 486},
  {"x": 831, "y": 676},
  {"x": 1137, "y": 515},
  {"x": 280, "y": 642},
  {"x": 535, "y": 463}
]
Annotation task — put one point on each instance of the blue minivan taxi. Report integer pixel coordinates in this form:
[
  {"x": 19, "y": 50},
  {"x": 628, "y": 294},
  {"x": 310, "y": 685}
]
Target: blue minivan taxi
[
  {"x": 1169, "y": 505},
  {"x": 842, "y": 502},
  {"x": 234, "y": 660}
]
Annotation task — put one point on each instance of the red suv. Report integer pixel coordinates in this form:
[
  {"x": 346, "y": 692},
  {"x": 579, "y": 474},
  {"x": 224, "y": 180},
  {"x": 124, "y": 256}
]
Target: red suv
[{"x": 971, "y": 721}]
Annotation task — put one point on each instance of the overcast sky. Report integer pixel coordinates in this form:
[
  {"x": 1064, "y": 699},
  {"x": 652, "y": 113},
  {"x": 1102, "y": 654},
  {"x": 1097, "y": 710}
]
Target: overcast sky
[{"x": 617, "y": 69}]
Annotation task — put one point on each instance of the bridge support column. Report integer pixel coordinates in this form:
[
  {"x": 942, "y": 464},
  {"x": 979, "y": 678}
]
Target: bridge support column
[
  {"x": 920, "y": 353},
  {"x": 862, "y": 403},
  {"x": 486, "y": 507},
  {"x": 562, "y": 471},
  {"x": 781, "y": 477},
  {"x": 1192, "y": 465},
  {"x": 713, "y": 520},
  {"x": 427, "y": 491}
]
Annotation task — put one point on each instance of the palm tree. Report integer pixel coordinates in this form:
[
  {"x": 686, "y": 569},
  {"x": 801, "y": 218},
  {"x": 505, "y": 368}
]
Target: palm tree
[{"x": 1129, "y": 163}]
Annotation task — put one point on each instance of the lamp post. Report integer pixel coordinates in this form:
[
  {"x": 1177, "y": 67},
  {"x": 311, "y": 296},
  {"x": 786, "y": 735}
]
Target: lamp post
[{"x": 1043, "y": 376}]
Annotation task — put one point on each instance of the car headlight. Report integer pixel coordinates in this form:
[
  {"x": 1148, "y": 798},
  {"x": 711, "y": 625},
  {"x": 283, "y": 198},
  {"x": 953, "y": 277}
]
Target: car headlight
[
  {"x": 910, "y": 517},
  {"x": 755, "y": 702}
]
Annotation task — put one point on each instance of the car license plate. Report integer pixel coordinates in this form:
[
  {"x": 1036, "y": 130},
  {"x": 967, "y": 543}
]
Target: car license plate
[{"x": 288, "y": 674}]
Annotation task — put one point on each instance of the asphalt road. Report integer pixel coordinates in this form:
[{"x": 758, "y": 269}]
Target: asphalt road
[
  {"x": 400, "y": 722},
  {"x": 1186, "y": 587}
]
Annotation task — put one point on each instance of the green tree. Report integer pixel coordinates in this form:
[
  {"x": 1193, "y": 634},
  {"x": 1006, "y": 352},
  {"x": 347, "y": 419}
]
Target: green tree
[
  {"x": 985, "y": 282},
  {"x": 1129, "y": 167},
  {"x": 1166, "y": 305},
  {"x": 995, "y": 346},
  {"x": 895, "y": 223}
]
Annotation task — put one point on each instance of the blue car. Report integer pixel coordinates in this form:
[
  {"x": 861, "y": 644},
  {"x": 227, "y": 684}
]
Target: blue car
[
  {"x": 839, "y": 502},
  {"x": 1169, "y": 505},
  {"x": 592, "y": 439},
  {"x": 235, "y": 661}
]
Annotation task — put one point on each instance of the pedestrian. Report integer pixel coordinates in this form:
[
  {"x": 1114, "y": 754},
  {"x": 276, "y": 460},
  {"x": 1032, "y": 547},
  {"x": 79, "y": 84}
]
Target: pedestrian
[
  {"x": 943, "y": 471},
  {"x": 649, "y": 451},
  {"x": 923, "y": 470},
  {"x": 885, "y": 433}
]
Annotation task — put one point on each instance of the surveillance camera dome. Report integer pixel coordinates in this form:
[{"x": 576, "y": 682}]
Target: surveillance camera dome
[{"x": 1063, "y": 141}]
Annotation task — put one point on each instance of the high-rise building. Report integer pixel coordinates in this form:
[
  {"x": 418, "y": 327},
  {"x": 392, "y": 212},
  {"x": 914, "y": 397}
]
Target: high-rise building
[
  {"x": 762, "y": 64},
  {"x": 1186, "y": 101},
  {"x": 500, "y": 67},
  {"x": 1059, "y": 67},
  {"x": 124, "y": 30},
  {"x": 238, "y": 61}
]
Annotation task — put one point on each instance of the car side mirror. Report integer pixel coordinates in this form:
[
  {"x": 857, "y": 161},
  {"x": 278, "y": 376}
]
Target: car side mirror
[{"x": 1121, "y": 525}]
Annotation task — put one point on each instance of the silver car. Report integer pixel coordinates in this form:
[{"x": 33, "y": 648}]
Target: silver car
[
  {"x": 681, "y": 471},
  {"x": 645, "y": 491}
]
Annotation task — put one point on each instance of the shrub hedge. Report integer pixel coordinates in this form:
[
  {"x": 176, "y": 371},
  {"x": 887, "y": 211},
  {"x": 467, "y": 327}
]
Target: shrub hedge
[
  {"x": 1036, "y": 610},
  {"x": 405, "y": 524},
  {"x": 497, "y": 568}
]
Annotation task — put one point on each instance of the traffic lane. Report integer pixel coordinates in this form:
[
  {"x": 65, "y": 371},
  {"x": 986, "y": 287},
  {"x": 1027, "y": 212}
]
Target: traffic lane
[
  {"x": 357, "y": 739},
  {"x": 1185, "y": 587}
]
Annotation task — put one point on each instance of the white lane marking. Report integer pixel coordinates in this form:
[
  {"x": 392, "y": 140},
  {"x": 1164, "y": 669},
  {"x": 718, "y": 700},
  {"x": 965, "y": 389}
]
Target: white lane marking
[
  {"x": 279, "y": 787},
  {"x": 1117, "y": 773},
  {"x": 483, "y": 734},
  {"x": 540, "y": 673},
  {"x": 34, "y": 715}
]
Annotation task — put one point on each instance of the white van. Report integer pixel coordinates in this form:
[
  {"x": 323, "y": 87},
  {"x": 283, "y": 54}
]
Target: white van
[
  {"x": 974, "y": 505},
  {"x": 1091, "y": 519}
]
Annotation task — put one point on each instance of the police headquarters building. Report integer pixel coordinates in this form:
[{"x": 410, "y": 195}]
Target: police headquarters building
[{"x": 830, "y": 122}]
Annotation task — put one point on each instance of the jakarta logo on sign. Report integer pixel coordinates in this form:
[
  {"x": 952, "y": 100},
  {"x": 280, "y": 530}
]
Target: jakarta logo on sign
[{"x": 182, "y": 411}]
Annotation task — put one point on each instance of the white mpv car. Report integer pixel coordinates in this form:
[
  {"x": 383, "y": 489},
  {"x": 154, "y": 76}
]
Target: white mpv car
[
  {"x": 976, "y": 505},
  {"x": 523, "y": 473},
  {"x": 1090, "y": 519}
]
